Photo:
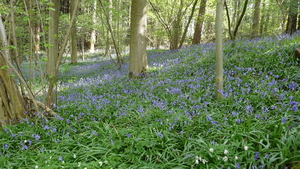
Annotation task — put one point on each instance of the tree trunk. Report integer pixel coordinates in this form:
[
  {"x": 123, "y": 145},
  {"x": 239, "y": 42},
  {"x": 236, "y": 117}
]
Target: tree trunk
[
  {"x": 219, "y": 50},
  {"x": 199, "y": 23},
  {"x": 256, "y": 17},
  {"x": 73, "y": 35},
  {"x": 188, "y": 24},
  {"x": 93, "y": 31},
  {"x": 138, "y": 26},
  {"x": 53, "y": 50},
  {"x": 53, "y": 38},
  {"x": 291, "y": 26},
  {"x": 12, "y": 106}
]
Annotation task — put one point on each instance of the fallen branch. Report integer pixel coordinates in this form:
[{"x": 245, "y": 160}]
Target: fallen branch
[{"x": 41, "y": 105}]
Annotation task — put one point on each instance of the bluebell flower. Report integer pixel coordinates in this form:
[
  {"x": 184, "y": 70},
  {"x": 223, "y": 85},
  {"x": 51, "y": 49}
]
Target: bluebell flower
[
  {"x": 160, "y": 135},
  {"x": 46, "y": 127},
  {"x": 256, "y": 156},
  {"x": 283, "y": 120}
]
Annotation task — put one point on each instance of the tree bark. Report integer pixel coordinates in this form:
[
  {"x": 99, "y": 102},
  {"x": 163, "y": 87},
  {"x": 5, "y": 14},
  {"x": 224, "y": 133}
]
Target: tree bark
[
  {"x": 219, "y": 50},
  {"x": 73, "y": 34},
  {"x": 93, "y": 31},
  {"x": 12, "y": 106},
  {"x": 187, "y": 25},
  {"x": 199, "y": 23},
  {"x": 291, "y": 26},
  {"x": 138, "y": 25},
  {"x": 256, "y": 17},
  {"x": 53, "y": 50},
  {"x": 53, "y": 37}
]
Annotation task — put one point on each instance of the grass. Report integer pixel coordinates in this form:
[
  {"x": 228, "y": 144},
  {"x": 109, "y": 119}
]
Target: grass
[{"x": 170, "y": 119}]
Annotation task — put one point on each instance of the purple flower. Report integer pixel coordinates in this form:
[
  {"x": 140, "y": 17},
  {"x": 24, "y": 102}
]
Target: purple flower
[
  {"x": 24, "y": 147},
  {"x": 36, "y": 136},
  {"x": 256, "y": 156},
  {"x": 283, "y": 120},
  {"x": 46, "y": 127},
  {"x": 160, "y": 135},
  {"x": 267, "y": 156},
  {"x": 128, "y": 135},
  {"x": 237, "y": 165},
  {"x": 68, "y": 121},
  {"x": 6, "y": 146}
]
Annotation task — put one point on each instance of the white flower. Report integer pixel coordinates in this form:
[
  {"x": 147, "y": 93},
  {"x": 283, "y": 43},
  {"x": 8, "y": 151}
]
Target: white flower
[
  {"x": 226, "y": 151},
  {"x": 79, "y": 164},
  {"x": 246, "y": 148},
  {"x": 36, "y": 167},
  {"x": 197, "y": 162},
  {"x": 204, "y": 161},
  {"x": 105, "y": 162},
  {"x": 225, "y": 158},
  {"x": 211, "y": 150},
  {"x": 236, "y": 157},
  {"x": 100, "y": 163},
  {"x": 74, "y": 156}
]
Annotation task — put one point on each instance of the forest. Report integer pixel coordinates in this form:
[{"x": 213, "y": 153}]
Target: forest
[{"x": 150, "y": 84}]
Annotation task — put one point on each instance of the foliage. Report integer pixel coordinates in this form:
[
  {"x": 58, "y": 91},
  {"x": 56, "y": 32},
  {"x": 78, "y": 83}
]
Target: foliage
[{"x": 170, "y": 119}]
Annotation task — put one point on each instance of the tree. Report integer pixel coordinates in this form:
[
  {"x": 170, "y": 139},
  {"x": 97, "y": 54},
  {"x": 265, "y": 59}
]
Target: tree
[
  {"x": 53, "y": 37},
  {"x": 256, "y": 17},
  {"x": 171, "y": 14},
  {"x": 73, "y": 34},
  {"x": 291, "y": 25},
  {"x": 233, "y": 34},
  {"x": 219, "y": 50},
  {"x": 199, "y": 23},
  {"x": 138, "y": 25},
  {"x": 12, "y": 106}
]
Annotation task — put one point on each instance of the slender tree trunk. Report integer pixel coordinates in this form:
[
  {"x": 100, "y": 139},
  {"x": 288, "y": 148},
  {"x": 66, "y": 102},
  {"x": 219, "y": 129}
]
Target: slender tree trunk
[
  {"x": 219, "y": 50},
  {"x": 138, "y": 25},
  {"x": 199, "y": 23},
  {"x": 52, "y": 79},
  {"x": 37, "y": 31},
  {"x": 262, "y": 19},
  {"x": 73, "y": 34},
  {"x": 108, "y": 42},
  {"x": 53, "y": 38},
  {"x": 93, "y": 31},
  {"x": 115, "y": 43},
  {"x": 188, "y": 24},
  {"x": 53, "y": 50},
  {"x": 256, "y": 17}
]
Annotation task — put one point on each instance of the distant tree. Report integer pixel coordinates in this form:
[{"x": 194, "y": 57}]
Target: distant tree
[
  {"x": 171, "y": 14},
  {"x": 256, "y": 18},
  {"x": 291, "y": 25},
  {"x": 73, "y": 34},
  {"x": 199, "y": 22},
  {"x": 138, "y": 25},
  {"x": 233, "y": 34},
  {"x": 219, "y": 50}
]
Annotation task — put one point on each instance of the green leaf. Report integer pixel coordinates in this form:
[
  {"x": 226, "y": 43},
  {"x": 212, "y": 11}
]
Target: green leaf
[
  {"x": 25, "y": 18},
  {"x": 4, "y": 67},
  {"x": 12, "y": 47},
  {"x": 44, "y": 59},
  {"x": 52, "y": 9}
]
